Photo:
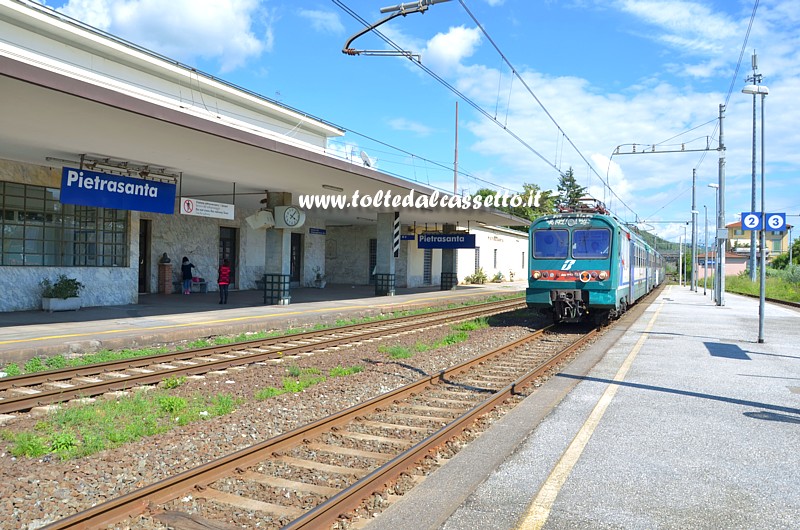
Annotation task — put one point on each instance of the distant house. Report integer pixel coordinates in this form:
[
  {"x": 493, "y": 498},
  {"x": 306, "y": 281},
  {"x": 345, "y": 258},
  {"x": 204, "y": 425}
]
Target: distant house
[
  {"x": 735, "y": 262},
  {"x": 497, "y": 251},
  {"x": 739, "y": 241}
]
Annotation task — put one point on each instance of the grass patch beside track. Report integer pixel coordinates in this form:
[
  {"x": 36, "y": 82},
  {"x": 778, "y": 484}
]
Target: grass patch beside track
[
  {"x": 461, "y": 334},
  {"x": 82, "y": 430},
  {"x": 302, "y": 378}
]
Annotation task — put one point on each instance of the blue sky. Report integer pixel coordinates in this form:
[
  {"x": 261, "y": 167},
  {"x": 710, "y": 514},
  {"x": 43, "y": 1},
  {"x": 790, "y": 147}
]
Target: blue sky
[{"x": 609, "y": 73}]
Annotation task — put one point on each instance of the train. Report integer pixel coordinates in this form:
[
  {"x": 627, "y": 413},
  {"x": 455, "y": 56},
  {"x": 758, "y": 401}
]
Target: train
[{"x": 584, "y": 264}]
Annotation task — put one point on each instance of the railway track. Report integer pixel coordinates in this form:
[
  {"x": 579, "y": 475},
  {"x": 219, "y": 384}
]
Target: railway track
[
  {"x": 309, "y": 477},
  {"x": 771, "y": 300},
  {"x": 25, "y": 392}
]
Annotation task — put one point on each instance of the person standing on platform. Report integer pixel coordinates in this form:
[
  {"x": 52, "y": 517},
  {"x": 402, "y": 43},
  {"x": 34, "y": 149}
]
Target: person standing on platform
[
  {"x": 186, "y": 275},
  {"x": 224, "y": 279}
]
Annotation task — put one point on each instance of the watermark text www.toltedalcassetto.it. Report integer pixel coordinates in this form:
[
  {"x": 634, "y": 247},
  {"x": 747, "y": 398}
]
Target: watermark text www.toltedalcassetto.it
[{"x": 387, "y": 199}]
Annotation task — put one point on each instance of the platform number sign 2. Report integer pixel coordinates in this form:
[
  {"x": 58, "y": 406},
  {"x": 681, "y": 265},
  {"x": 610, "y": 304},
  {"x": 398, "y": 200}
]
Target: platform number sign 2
[{"x": 751, "y": 220}]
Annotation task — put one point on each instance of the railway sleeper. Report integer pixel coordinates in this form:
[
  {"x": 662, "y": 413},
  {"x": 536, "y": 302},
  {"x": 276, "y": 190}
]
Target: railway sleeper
[
  {"x": 348, "y": 451},
  {"x": 247, "y": 503},
  {"x": 294, "y": 485}
]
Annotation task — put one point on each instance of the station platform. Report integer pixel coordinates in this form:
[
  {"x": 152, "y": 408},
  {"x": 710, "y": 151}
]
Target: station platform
[
  {"x": 678, "y": 419},
  {"x": 161, "y": 318}
]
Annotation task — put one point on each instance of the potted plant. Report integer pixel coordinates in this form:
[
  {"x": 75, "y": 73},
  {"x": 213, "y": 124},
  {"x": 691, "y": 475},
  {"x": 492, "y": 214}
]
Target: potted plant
[
  {"x": 319, "y": 280},
  {"x": 61, "y": 295}
]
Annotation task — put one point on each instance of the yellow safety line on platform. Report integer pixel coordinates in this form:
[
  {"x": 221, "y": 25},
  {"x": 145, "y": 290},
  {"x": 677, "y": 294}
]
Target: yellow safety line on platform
[
  {"x": 219, "y": 321},
  {"x": 539, "y": 510}
]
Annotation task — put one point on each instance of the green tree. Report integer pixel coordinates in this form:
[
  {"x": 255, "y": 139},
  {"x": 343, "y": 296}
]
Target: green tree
[
  {"x": 547, "y": 202},
  {"x": 569, "y": 191},
  {"x": 782, "y": 261}
]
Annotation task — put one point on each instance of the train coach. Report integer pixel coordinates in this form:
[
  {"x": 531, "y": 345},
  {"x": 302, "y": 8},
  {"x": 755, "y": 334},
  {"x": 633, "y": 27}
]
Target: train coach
[{"x": 586, "y": 264}]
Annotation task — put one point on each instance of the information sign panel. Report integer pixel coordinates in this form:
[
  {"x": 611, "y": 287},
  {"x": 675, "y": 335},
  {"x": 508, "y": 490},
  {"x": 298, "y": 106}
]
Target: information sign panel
[
  {"x": 751, "y": 220},
  {"x": 202, "y": 208},
  {"x": 775, "y": 221},
  {"x": 439, "y": 240}
]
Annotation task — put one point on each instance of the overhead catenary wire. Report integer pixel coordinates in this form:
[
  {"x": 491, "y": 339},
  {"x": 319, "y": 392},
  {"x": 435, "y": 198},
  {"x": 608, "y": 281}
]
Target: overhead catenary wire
[
  {"x": 515, "y": 73},
  {"x": 440, "y": 165},
  {"x": 538, "y": 101},
  {"x": 391, "y": 43},
  {"x": 450, "y": 87},
  {"x": 735, "y": 74},
  {"x": 480, "y": 109}
]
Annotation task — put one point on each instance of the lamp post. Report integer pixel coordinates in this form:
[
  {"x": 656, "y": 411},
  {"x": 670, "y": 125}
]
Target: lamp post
[
  {"x": 685, "y": 254},
  {"x": 693, "y": 276},
  {"x": 693, "y": 286},
  {"x": 754, "y": 80},
  {"x": 761, "y": 89},
  {"x": 715, "y": 287},
  {"x": 790, "y": 246},
  {"x": 680, "y": 259},
  {"x": 722, "y": 234},
  {"x": 705, "y": 260}
]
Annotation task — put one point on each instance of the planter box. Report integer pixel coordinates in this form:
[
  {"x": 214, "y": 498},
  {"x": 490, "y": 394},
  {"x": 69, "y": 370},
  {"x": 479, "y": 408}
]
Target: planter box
[{"x": 61, "y": 304}]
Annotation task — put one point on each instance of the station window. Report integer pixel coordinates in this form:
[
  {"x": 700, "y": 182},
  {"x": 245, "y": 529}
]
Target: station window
[
  {"x": 36, "y": 229},
  {"x": 550, "y": 243},
  {"x": 593, "y": 243}
]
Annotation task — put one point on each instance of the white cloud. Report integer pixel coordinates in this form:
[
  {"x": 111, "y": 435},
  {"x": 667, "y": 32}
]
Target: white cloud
[
  {"x": 446, "y": 50},
  {"x": 96, "y": 13},
  {"x": 596, "y": 124},
  {"x": 443, "y": 52},
  {"x": 225, "y": 30},
  {"x": 323, "y": 21},
  {"x": 403, "y": 124},
  {"x": 689, "y": 26}
]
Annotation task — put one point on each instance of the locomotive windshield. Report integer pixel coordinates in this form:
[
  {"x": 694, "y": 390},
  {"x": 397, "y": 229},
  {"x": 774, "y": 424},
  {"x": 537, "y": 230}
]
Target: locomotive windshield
[
  {"x": 550, "y": 243},
  {"x": 591, "y": 244}
]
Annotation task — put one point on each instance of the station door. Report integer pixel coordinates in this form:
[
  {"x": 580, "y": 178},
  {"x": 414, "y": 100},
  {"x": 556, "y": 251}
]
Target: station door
[{"x": 228, "y": 249}]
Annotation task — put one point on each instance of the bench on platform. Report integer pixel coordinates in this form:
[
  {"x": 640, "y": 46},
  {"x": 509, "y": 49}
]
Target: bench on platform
[{"x": 197, "y": 287}]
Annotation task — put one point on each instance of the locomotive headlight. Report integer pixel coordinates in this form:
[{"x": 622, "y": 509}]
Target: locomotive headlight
[
  {"x": 603, "y": 275},
  {"x": 536, "y": 275}
]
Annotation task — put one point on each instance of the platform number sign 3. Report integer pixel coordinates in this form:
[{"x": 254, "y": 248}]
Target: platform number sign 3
[{"x": 776, "y": 221}]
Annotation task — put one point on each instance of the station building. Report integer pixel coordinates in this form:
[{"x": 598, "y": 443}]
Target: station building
[{"x": 115, "y": 160}]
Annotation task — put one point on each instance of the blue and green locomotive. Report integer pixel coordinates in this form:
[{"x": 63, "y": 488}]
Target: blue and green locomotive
[{"x": 586, "y": 264}]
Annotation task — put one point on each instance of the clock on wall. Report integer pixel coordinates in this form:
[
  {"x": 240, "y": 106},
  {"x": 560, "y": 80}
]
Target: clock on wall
[{"x": 289, "y": 217}]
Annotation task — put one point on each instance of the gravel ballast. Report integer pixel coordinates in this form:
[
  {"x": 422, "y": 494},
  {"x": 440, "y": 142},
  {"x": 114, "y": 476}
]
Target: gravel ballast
[{"x": 36, "y": 492}]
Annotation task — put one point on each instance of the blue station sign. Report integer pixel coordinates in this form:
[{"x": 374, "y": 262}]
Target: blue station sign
[
  {"x": 446, "y": 241},
  {"x": 89, "y": 188},
  {"x": 768, "y": 221}
]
